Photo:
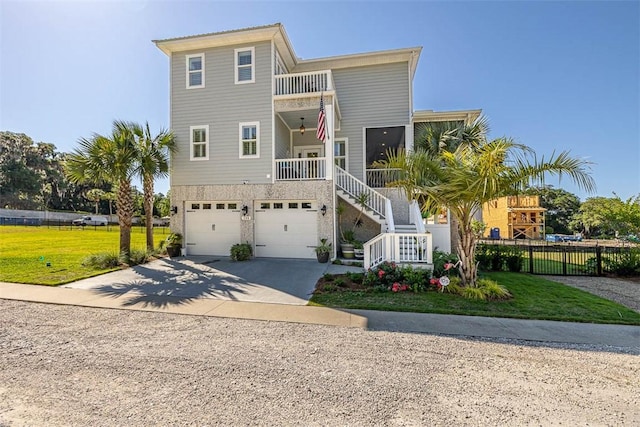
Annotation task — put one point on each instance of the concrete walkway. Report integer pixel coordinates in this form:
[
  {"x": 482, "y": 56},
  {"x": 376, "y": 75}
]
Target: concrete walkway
[{"x": 531, "y": 330}]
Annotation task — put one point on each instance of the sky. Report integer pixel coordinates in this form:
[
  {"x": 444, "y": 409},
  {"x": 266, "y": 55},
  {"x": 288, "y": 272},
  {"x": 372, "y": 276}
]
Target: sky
[{"x": 553, "y": 75}]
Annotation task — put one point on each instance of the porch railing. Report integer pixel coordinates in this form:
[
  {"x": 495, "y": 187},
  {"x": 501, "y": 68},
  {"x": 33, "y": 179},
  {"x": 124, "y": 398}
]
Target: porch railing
[
  {"x": 301, "y": 169},
  {"x": 401, "y": 248},
  {"x": 354, "y": 188},
  {"x": 379, "y": 178},
  {"x": 301, "y": 83}
]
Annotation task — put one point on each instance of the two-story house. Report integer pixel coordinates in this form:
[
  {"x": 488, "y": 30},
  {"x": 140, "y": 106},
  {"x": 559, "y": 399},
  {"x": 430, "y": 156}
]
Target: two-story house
[{"x": 252, "y": 165}]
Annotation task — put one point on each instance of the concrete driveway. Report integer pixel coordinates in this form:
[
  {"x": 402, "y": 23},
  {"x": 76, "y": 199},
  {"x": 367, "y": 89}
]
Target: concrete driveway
[{"x": 280, "y": 281}]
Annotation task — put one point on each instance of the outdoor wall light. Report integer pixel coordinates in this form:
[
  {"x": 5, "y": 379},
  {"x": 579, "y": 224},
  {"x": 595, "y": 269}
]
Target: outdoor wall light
[
  {"x": 245, "y": 210},
  {"x": 323, "y": 210},
  {"x": 174, "y": 210},
  {"x": 302, "y": 126}
]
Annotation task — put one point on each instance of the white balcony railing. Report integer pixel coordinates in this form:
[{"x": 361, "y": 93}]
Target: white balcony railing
[
  {"x": 301, "y": 169},
  {"x": 302, "y": 83}
]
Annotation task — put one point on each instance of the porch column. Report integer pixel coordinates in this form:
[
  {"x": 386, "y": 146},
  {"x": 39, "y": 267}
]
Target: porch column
[
  {"x": 329, "y": 142},
  {"x": 408, "y": 143}
]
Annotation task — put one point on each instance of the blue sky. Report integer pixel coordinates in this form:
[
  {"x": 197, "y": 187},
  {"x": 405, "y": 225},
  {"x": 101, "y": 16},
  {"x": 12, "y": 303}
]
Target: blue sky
[{"x": 553, "y": 75}]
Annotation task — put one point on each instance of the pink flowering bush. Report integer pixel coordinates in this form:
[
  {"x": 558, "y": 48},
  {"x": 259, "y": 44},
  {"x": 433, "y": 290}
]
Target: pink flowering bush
[{"x": 390, "y": 277}]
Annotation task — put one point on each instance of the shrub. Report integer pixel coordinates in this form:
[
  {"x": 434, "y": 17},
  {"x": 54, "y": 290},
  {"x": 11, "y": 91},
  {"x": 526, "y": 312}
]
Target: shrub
[
  {"x": 102, "y": 261},
  {"x": 492, "y": 290},
  {"x": 513, "y": 259},
  {"x": 440, "y": 259},
  {"x": 492, "y": 257},
  {"x": 626, "y": 264},
  {"x": 138, "y": 257},
  {"x": 472, "y": 293},
  {"x": 355, "y": 277},
  {"x": 416, "y": 278},
  {"x": 383, "y": 276},
  {"x": 241, "y": 252}
]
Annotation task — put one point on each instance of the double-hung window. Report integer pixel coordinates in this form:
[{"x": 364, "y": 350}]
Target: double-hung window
[
  {"x": 245, "y": 65},
  {"x": 340, "y": 152},
  {"x": 199, "y": 142},
  {"x": 250, "y": 140},
  {"x": 195, "y": 71}
]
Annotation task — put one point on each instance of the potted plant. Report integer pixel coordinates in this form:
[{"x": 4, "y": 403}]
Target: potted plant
[
  {"x": 358, "y": 249},
  {"x": 323, "y": 251},
  {"x": 346, "y": 244},
  {"x": 173, "y": 244}
]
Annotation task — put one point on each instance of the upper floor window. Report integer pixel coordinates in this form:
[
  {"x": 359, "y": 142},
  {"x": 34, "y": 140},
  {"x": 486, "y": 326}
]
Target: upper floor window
[
  {"x": 199, "y": 142},
  {"x": 195, "y": 70},
  {"x": 245, "y": 65},
  {"x": 250, "y": 139}
]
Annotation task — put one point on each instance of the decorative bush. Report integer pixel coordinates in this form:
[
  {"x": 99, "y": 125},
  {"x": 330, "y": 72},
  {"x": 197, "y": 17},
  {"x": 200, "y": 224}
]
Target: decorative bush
[
  {"x": 241, "y": 252},
  {"x": 102, "y": 260},
  {"x": 627, "y": 263},
  {"x": 440, "y": 259},
  {"x": 389, "y": 276},
  {"x": 513, "y": 259}
]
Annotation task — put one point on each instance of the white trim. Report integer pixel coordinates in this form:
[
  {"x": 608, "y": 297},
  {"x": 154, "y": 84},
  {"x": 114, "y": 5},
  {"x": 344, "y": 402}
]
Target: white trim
[
  {"x": 187, "y": 58},
  {"x": 252, "y": 66},
  {"x": 273, "y": 117},
  {"x": 206, "y": 142},
  {"x": 240, "y": 140}
]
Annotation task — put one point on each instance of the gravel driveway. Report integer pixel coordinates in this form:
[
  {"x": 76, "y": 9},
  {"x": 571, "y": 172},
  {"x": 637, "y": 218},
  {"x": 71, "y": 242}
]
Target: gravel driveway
[{"x": 65, "y": 365}]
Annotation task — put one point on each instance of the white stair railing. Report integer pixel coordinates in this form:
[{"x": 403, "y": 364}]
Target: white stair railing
[
  {"x": 401, "y": 248},
  {"x": 351, "y": 185},
  {"x": 415, "y": 217}
]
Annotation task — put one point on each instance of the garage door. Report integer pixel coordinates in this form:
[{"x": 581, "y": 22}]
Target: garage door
[
  {"x": 212, "y": 227},
  {"x": 286, "y": 229}
]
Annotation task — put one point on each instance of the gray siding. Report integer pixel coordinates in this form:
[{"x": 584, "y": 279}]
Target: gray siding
[
  {"x": 222, "y": 104},
  {"x": 373, "y": 96},
  {"x": 282, "y": 139}
]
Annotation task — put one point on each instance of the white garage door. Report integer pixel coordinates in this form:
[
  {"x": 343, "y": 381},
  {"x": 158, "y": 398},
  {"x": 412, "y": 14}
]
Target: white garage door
[
  {"x": 286, "y": 229},
  {"x": 212, "y": 227}
]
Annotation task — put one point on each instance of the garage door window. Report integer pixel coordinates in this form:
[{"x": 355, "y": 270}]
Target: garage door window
[
  {"x": 232, "y": 206},
  {"x": 293, "y": 206},
  {"x": 265, "y": 205},
  {"x": 278, "y": 206},
  {"x": 219, "y": 205},
  {"x": 195, "y": 205},
  {"x": 306, "y": 205},
  {"x": 206, "y": 206}
]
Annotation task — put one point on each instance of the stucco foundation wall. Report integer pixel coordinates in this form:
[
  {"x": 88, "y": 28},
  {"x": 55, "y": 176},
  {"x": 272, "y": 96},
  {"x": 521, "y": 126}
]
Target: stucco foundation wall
[{"x": 319, "y": 191}]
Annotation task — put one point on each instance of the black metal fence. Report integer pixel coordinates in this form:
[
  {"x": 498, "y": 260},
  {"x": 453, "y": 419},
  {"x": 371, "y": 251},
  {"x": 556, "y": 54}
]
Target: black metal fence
[{"x": 562, "y": 259}]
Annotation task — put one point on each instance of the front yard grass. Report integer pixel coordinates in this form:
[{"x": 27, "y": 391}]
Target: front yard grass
[
  {"x": 533, "y": 298},
  {"x": 26, "y": 251}
]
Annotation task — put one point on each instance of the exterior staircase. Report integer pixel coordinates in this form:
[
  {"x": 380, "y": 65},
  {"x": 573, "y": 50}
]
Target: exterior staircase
[{"x": 399, "y": 243}]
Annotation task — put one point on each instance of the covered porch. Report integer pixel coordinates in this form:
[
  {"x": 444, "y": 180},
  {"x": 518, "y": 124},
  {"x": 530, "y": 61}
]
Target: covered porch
[{"x": 299, "y": 153}]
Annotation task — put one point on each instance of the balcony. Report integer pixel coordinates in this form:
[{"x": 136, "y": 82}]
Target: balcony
[
  {"x": 523, "y": 202},
  {"x": 304, "y": 83},
  {"x": 305, "y": 169}
]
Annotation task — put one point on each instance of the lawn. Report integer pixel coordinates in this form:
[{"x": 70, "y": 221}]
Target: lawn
[
  {"x": 52, "y": 256},
  {"x": 533, "y": 298}
]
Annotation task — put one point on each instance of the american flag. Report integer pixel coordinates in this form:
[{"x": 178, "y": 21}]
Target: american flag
[{"x": 321, "y": 133}]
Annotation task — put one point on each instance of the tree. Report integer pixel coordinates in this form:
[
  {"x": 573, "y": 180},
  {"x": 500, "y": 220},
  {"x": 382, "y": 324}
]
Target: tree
[
  {"x": 608, "y": 217},
  {"x": 153, "y": 162},
  {"x": 476, "y": 172},
  {"x": 561, "y": 206},
  {"x": 95, "y": 195},
  {"x": 111, "y": 159}
]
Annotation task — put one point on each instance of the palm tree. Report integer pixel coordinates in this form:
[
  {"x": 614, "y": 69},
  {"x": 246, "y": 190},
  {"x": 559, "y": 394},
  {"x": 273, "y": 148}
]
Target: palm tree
[
  {"x": 110, "y": 159},
  {"x": 95, "y": 195},
  {"x": 153, "y": 162},
  {"x": 476, "y": 172}
]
